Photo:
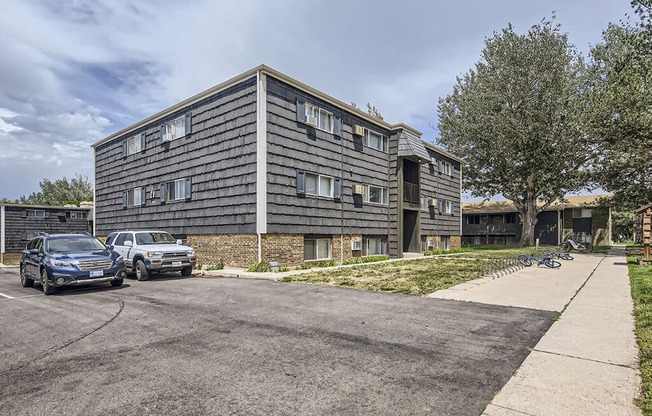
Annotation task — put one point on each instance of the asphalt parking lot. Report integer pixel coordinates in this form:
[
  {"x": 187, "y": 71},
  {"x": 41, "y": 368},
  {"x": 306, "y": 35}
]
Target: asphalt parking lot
[{"x": 194, "y": 346}]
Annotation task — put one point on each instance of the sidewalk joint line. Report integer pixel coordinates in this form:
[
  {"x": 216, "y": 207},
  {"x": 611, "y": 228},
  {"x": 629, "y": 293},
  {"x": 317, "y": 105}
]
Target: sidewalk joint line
[
  {"x": 6, "y": 296},
  {"x": 584, "y": 359},
  {"x": 510, "y": 409},
  {"x": 581, "y": 287}
]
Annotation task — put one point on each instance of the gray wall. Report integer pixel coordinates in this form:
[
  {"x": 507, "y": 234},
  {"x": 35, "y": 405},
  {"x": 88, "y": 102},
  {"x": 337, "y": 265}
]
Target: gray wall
[
  {"x": 294, "y": 146},
  {"x": 445, "y": 187},
  {"x": 17, "y": 227},
  {"x": 219, "y": 156}
]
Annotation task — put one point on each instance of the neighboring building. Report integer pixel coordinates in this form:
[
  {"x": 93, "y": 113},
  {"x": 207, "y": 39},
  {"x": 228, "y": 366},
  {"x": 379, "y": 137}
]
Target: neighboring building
[
  {"x": 20, "y": 223},
  {"x": 497, "y": 222},
  {"x": 265, "y": 168}
]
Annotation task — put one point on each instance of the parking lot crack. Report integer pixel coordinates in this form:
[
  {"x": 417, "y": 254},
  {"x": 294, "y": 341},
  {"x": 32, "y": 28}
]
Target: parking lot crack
[{"x": 49, "y": 351}]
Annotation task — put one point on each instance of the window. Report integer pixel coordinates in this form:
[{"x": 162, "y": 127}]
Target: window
[
  {"x": 174, "y": 129},
  {"x": 445, "y": 167},
  {"x": 375, "y": 140},
  {"x": 582, "y": 213},
  {"x": 134, "y": 144},
  {"x": 175, "y": 190},
  {"x": 135, "y": 197},
  {"x": 445, "y": 207},
  {"x": 424, "y": 203},
  {"x": 39, "y": 213},
  {"x": 319, "y": 118},
  {"x": 375, "y": 194},
  {"x": 77, "y": 215},
  {"x": 317, "y": 249},
  {"x": 511, "y": 218},
  {"x": 110, "y": 239},
  {"x": 472, "y": 219},
  {"x": 319, "y": 185},
  {"x": 445, "y": 243},
  {"x": 374, "y": 246}
]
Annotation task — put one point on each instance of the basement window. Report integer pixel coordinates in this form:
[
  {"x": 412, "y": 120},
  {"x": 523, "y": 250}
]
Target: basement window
[{"x": 316, "y": 248}]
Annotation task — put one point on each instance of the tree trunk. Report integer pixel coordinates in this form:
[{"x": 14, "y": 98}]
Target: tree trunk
[{"x": 529, "y": 219}]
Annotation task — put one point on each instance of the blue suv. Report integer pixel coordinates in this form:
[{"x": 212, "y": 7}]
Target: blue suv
[{"x": 58, "y": 260}]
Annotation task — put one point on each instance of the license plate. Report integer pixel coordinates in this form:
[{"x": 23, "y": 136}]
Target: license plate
[
  {"x": 97, "y": 273},
  {"x": 176, "y": 264}
]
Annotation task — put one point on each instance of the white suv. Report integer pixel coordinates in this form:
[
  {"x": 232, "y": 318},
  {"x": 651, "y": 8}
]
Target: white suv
[{"x": 147, "y": 251}]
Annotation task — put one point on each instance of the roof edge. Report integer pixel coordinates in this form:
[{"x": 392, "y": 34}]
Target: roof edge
[
  {"x": 244, "y": 76},
  {"x": 7, "y": 204}
]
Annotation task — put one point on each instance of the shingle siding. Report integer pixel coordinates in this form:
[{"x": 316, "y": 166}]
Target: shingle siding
[
  {"x": 294, "y": 146},
  {"x": 219, "y": 156},
  {"x": 443, "y": 187},
  {"x": 17, "y": 227}
]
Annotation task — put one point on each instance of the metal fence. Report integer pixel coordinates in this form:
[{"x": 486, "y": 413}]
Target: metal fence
[{"x": 496, "y": 268}]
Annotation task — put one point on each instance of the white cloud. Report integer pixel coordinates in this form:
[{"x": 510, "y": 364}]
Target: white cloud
[{"x": 82, "y": 69}]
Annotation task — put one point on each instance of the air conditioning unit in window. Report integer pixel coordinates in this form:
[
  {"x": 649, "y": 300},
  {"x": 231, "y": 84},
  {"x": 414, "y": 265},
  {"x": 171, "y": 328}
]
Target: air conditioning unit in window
[
  {"x": 356, "y": 245},
  {"x": 358, "y": 130},
  {"x": 311, "y": 120},
  {"x": 168, "y": 137},
  {"x": 358, "y": 189},
  {"x": 432, "y": 202},
  {"x": 431, "y": 244}
]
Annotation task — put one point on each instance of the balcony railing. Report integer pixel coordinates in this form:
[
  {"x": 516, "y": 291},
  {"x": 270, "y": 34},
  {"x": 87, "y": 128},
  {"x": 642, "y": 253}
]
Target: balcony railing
[{"x": 411, "y": 193}]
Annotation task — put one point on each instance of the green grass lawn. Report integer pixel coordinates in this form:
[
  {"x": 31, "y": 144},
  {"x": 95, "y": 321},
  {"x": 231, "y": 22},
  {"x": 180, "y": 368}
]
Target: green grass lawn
[
  {"x": 413, "y": 277},
  {"x": 641, "y": 279}
]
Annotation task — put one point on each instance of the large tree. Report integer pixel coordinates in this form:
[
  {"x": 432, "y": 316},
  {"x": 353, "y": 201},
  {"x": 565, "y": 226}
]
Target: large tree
[
  {"x": 619, "y": 110},
  {"x": 61, "y": 192},
  {"x": 513, "y": 118}
]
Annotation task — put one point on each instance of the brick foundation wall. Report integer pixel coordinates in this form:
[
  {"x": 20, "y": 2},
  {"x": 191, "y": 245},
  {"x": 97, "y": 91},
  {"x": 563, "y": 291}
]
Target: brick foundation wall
[
  {"x": 456, "y": 241},
  {"x": 286, "y": 249},
  {"x": 342, "y": 247},
  {"x": 10, "y": 258},
  {"x": 237, "y": 250}
]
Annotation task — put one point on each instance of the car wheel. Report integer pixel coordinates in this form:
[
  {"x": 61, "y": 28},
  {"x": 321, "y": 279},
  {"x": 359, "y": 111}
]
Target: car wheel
[
  {"x": 47, "y": 288},
  {"x": 24, "y": 280},
  {"x": 186, "y": 271},
  {"x": 141, "y": 271},
  {"x": 117, "y": 282}
]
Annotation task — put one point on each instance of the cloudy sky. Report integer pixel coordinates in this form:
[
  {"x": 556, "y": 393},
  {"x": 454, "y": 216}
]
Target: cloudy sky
[{"x": 75, "y": 71}]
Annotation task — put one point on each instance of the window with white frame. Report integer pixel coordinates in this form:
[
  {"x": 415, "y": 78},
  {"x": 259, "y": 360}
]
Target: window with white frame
[
  {"x": 582, "y": 213},
  {"x": 444, "y": 243},
  {"x": 78, "y": 215},
  {"x": 424, "y": 203},
  {"x": 374, "y": 246},
  {"x": 375, "y": 140},
  {"x": 319, "y": 118},
  {"x": 36, "y": 213},
  {"x": 445, "y": 207},
  {"x": 134, "y": 144},
  {"x": 174, "y": 129},
  {"x": 375, "y": 194},
  {"x": 445, "y": 167},
  {"x": 316, "y": 248},
  {"x": 135, "y": 197},
  {"x": 319, "y": 185},
  {"x": 175, "y": 190}
]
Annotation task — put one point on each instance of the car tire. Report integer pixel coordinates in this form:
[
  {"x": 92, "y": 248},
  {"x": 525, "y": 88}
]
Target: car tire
[
  {"x": 141, "y": 271},
  {"x": 24, "y": 280},
  {"x": 186, "y": 271},
  {"x": 117, "y": 282},
  {"x": 47, "y": 288}
]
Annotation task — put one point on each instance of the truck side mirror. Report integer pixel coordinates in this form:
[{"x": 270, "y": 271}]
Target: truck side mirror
[
  {"x": 128, "y": 244},
  {"x": 179, "y": 242}
]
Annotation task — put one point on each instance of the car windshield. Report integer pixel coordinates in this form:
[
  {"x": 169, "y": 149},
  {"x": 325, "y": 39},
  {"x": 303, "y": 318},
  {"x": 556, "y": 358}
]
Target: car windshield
[
  {"x": 143, "y": 239},
  {"x": 74, "y": 244}
]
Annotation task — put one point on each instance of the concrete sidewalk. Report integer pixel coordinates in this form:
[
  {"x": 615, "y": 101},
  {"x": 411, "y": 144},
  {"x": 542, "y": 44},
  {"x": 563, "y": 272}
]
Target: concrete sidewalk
[{"x": 587, "y": 363}]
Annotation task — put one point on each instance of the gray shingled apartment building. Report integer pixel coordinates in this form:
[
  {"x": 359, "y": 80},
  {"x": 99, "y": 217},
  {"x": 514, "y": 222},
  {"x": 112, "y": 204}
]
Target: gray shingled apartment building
[{"x": 265, "y": 168}]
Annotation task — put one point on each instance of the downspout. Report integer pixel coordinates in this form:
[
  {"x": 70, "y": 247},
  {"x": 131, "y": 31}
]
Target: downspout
[
  {"x": 261, "y": 160},
  {"x": 560, "y": 216}
]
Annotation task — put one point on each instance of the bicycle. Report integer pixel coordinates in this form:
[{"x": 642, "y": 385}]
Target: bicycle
[
  {"x": 529, "y": 259},
  {"x": 577, "y": 246},
  {"x": 557, "y": 253}
]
